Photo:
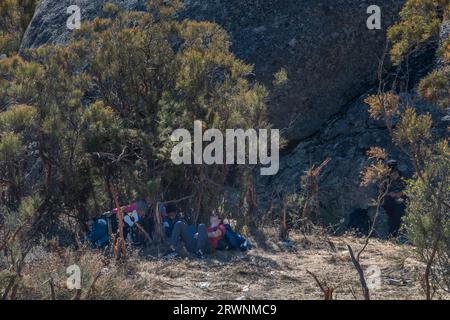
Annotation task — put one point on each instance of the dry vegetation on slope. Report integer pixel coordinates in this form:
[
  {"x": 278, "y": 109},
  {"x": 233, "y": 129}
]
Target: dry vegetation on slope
[
  {"x": 275, "y": 272},
  {"x": 281, "y": 273}
]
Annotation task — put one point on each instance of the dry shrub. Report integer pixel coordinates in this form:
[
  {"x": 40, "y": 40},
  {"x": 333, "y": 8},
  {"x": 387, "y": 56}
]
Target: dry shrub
[{"x": 44, "y": 277}]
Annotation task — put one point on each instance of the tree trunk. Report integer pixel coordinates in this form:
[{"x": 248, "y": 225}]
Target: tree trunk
[
  {"x": 428, "y": 270},
  {"x": 121, "y": 251},
  {"x": 362, "y": 279}
]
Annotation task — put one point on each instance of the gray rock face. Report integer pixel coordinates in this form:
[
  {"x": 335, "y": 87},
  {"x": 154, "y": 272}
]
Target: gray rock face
[
  {"x": 48, "y": 25},
  {"x": 324, "y": 45},
  {"x": 345, "y": 138}
]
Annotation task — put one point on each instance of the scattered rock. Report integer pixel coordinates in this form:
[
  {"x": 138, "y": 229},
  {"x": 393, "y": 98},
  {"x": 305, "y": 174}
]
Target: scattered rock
[
  {"x": 395, "y": 282},
  {"x": 203, "y": 285}
]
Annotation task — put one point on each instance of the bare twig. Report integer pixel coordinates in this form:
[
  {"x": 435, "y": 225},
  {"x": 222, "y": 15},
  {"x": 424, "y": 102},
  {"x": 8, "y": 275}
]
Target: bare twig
[
  {"x": 179, "y": 200},
  {"x": 92, "y": 286},
  {"x": 327, "y": 291},
  {"x": 380, "y": 201},
  {"x": 362, "y": 278}
]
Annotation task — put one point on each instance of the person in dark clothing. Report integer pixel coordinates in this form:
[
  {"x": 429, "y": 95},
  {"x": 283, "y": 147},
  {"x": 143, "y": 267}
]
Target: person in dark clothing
[
  {"x": 98, "y": 235},
  {"x": 170, "y": 218},
  {"x": 100, "y": 228},
  {"x": 394, "y": 201},
  {"x": 200, "y": 241}
]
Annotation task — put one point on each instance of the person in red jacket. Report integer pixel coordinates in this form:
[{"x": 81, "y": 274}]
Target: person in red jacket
[
  {"x": 205, "y": 240},
  {"x": 215, "y": 232}
]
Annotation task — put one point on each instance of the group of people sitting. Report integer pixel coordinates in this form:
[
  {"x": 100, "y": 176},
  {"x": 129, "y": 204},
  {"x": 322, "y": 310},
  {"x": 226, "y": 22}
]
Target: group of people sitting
[
  {"x": 198, "y": 241},
  {"x": 139, "y": 226}
]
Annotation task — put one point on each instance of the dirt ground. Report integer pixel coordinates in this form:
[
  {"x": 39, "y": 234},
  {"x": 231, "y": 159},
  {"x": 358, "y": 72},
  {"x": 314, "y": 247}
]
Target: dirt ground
[{"x": 279, "y": 271}]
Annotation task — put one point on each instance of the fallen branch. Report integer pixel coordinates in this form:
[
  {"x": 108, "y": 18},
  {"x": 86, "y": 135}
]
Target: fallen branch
[
  {"x": 362, "y": 278},
  {"x": 178, "y": 200},
  {"x": 147, "y": 236}
]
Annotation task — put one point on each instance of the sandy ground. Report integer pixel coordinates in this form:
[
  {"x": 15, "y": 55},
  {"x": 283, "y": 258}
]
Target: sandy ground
[{"x": 278, "y": 271}]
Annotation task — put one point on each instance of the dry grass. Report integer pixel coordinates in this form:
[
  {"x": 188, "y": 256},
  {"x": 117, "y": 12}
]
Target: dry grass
[
  {"x": 275, "y": 272},
  {"x": 279, "y": 273},
  {"x": 44, "y": 277}
]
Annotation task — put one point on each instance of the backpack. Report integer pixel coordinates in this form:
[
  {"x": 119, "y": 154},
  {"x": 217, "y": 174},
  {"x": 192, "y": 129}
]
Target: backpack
[
  {"x": 98, "y": 235},
  {"x": 232, "y": 240}
]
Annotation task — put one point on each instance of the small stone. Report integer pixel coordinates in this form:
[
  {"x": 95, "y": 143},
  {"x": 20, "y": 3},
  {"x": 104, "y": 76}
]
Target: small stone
[
  {"x": 293, "y": 42},
  {"x": 395, "y": 282},
  {"x": 203, "y": 285},
  {"x": 260, "y": 29},
  {"x": 445, "y": 119}
]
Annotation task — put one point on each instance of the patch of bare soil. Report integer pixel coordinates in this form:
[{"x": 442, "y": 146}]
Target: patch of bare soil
[{"x": 279, "y": 271}]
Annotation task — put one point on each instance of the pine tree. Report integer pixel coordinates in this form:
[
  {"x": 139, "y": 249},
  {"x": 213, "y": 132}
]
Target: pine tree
[
  {"x": 99, "y": 112},
  {"x": 15, "y": 16}
]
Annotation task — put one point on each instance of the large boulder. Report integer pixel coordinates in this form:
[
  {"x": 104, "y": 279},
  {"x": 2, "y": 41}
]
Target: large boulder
[{"x": 324, "y": 45}]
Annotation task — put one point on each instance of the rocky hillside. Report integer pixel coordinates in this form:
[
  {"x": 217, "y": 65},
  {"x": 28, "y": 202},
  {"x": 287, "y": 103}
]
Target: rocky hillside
[
  {"x": 345, "y": 137},
  {"x": 329, "y": 54}
]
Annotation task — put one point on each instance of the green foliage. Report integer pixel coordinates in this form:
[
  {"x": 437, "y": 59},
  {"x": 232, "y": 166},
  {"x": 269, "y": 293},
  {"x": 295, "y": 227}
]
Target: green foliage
[
  {"x": 436, "y": 87},
  {"x": 76, "y": 120},
  {"x": 14, "y": 18},
  {"x": 280, "y": 77},
  {"x": 413, "y": 129},
  {"x": 294, "y": 204},
  {"x": 100, "y": 110},
  {"x": 29, "y": 206},
  {"x": 18, "y": 118},
  {"x": 427, "y": 222},
  {"x": 420, "y": 21},
  {"x": 10, "y": 147}
]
